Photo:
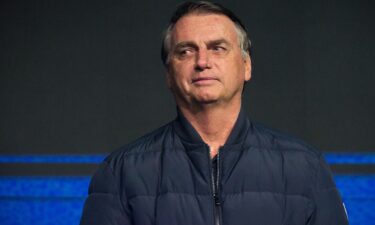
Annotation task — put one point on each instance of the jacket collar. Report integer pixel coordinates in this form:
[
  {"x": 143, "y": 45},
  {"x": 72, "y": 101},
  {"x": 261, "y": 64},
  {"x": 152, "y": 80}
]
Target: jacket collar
[{"x": 187, "y": 132}]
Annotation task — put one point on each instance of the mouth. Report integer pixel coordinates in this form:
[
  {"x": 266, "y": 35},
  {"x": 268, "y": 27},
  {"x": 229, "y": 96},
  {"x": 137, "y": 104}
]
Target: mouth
[{"x": 203, "y": 80}]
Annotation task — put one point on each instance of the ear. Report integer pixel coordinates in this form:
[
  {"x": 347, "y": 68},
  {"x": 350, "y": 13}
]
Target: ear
[{"x": 248, "y": 65}]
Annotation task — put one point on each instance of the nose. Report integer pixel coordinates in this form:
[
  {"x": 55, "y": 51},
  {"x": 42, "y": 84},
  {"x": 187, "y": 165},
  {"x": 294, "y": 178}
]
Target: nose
[{"x": 202, "y": 61}]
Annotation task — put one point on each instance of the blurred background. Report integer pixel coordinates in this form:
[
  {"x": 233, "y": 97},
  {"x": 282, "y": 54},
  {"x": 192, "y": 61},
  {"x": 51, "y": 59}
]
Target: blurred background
[{"x": 79, "y": 79}]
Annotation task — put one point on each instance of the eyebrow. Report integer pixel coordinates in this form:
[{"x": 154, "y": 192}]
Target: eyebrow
[
  {"x": 218, "y": 42},
  {"x": 185, "y": 44},
  {"x": 209, "y": 43}
]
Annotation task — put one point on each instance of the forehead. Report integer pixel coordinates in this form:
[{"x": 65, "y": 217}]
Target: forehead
[{"x": 199, "y": 27}]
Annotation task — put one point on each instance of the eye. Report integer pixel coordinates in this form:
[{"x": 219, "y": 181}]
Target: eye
[
  {"x": 218, "y": 48},
  {"x": 183, "y": 52}
]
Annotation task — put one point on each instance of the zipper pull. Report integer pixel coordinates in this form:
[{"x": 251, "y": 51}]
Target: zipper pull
[{"x": 217, "y": 199}]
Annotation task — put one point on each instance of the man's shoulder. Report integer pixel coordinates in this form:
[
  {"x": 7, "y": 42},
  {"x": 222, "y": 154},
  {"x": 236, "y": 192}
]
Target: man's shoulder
[{"x": 273, "y": 139}]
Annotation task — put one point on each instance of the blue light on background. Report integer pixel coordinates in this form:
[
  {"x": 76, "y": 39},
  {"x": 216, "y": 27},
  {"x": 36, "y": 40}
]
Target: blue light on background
[
  {"x": 42, "y": 200},
  {"x": 331, "y": 158},
  {"x": 358, "y": 194},
  {"x": 350, "y": 158},
  {"x": 73, "y": 158}
]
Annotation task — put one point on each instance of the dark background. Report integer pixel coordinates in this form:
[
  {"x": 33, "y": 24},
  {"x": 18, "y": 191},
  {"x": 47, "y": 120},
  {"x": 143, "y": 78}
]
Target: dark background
[{"x": 85, "y": 76}]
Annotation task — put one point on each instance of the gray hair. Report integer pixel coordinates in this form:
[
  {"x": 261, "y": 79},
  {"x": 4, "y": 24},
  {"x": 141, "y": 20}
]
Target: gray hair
[{"x": 204, "y": 7}]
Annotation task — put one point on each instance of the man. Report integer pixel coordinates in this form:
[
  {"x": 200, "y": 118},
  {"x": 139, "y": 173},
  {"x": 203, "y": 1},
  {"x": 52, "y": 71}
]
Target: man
[{"x": 212, "y": 165}]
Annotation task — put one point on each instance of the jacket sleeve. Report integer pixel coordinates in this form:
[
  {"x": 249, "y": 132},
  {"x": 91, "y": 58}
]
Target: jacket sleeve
[
  {"x": 104, "y": 205},
  {"x": 327, "y": 207}
]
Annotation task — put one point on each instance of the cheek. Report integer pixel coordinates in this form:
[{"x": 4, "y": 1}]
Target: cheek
[
  {"x": 235, "y": 69},
  {"x": 182, "y": 73},
  {"x": 179, "y": 78}
]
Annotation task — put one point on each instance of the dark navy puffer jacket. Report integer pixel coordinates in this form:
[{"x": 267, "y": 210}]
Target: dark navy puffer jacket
[{"x": 260, "y": 177}]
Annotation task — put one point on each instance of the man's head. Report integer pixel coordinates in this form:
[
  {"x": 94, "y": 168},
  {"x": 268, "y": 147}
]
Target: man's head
[
  {"x": 203, "y": 7},
  {"x": 206, "y": 53}
]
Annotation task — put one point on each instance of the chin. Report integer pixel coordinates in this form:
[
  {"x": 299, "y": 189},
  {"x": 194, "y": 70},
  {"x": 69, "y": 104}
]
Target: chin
[
  {"x": 206, "y": 99},
  {"x": 207, "y": 102}
]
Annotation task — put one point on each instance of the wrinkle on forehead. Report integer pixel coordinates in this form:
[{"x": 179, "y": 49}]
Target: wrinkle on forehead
[{"x": 206, "y": 26}]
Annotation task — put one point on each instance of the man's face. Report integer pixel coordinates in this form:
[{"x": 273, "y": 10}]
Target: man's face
[{"x": 205, "y": 60}]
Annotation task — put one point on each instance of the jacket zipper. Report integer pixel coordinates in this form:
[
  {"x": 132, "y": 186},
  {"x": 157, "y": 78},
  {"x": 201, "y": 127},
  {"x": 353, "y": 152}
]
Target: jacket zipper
[{"x": 215, "y": 188}]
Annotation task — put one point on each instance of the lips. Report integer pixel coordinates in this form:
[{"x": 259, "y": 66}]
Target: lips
[{"x": 203, "y": 79}]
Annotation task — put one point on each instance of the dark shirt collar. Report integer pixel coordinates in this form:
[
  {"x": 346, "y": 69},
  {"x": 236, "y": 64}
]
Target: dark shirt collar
[{"x": 187, "y": 132}]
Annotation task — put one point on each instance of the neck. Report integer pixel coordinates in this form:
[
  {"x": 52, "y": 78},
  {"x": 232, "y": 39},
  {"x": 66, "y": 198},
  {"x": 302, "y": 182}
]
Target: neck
[{"x": 213, "y": 123}]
